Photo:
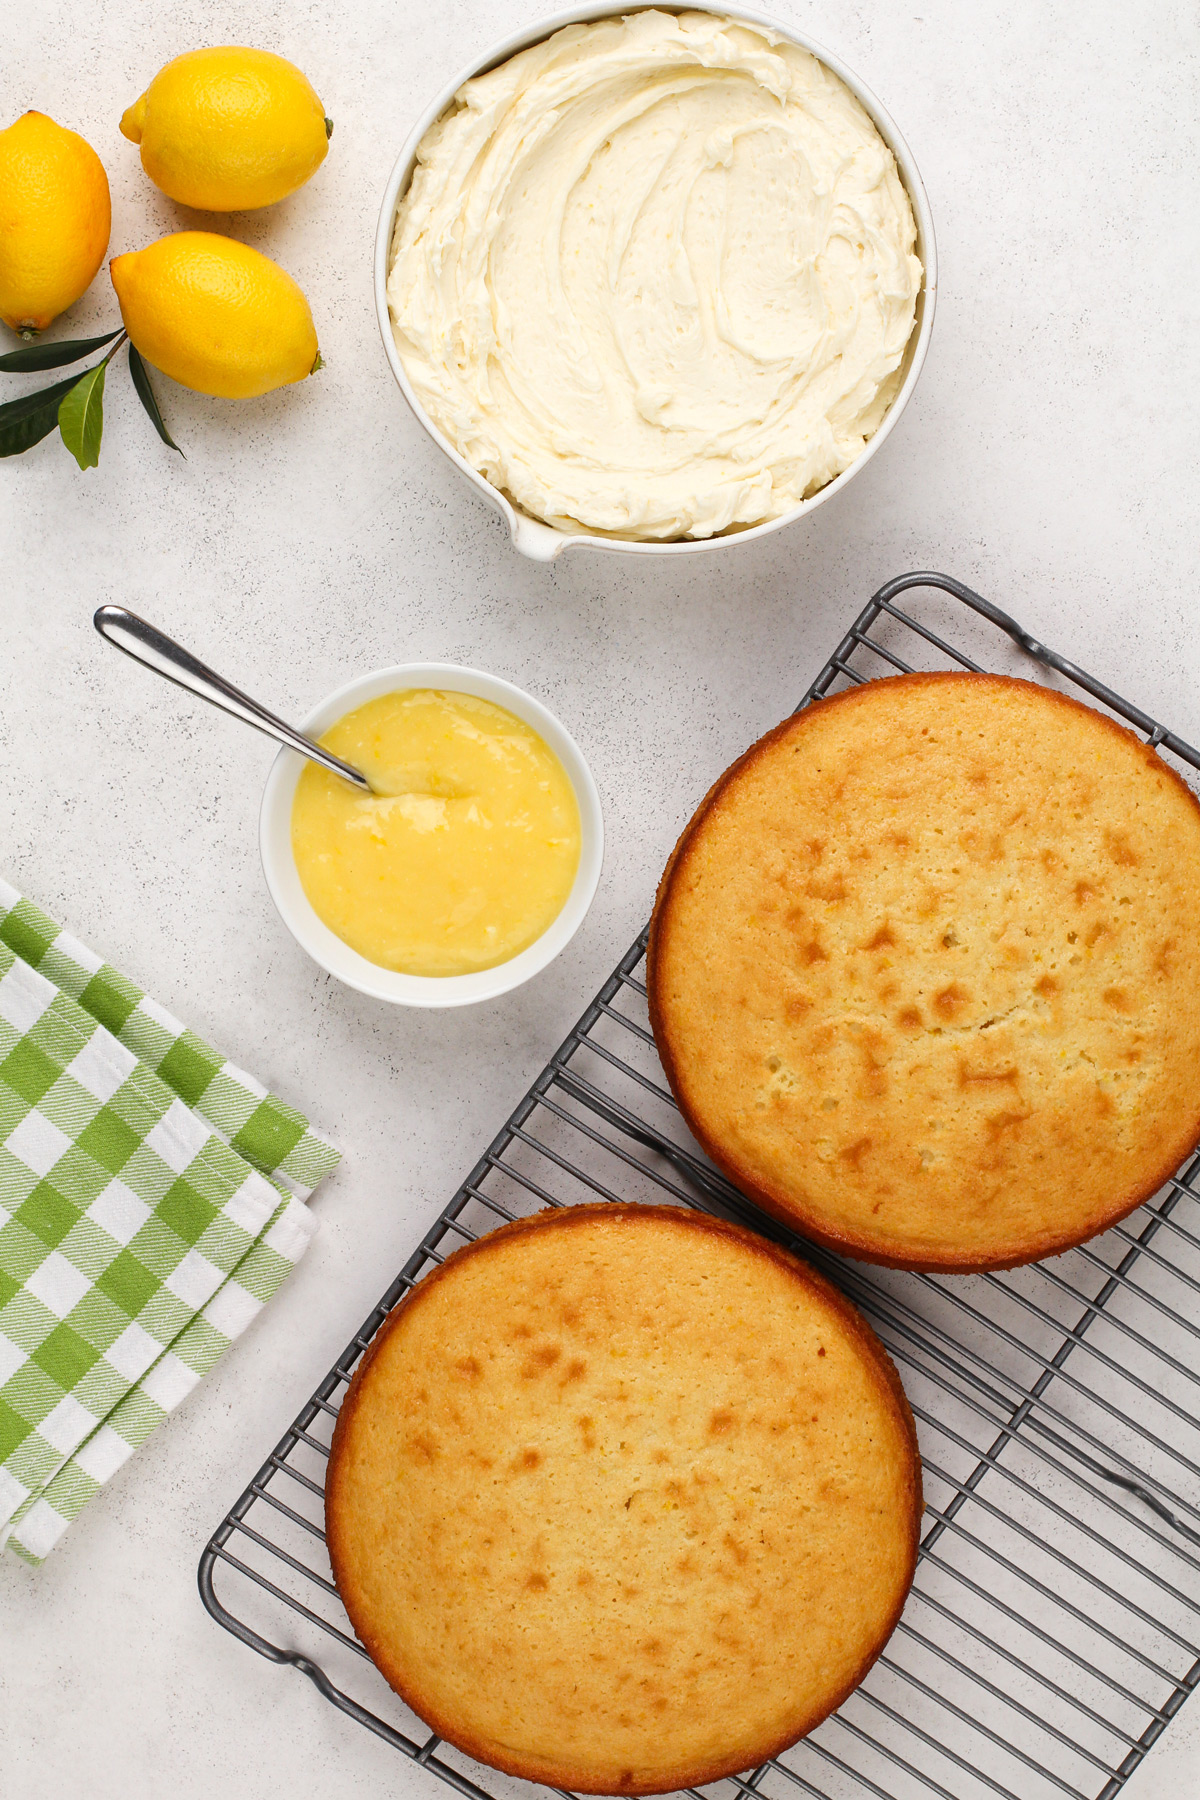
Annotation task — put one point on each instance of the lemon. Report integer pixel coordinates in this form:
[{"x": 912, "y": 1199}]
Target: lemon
[
  {"x": 55, "y": 217},
  {"x": 228, "y": 129},
  {"x": 215, "y": 315}
]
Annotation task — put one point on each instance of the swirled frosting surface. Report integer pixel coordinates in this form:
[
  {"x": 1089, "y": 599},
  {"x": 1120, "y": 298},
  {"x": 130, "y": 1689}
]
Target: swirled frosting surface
[{"x": 655, "y": 276}]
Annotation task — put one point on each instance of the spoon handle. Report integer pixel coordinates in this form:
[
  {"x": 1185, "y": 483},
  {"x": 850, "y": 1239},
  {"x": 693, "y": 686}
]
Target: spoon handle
[{"x": 141, "y": 640}]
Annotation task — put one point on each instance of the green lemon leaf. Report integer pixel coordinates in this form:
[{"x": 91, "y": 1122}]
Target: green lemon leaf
[
  {"x": 23, "y": 433},
  {"x": 53, "y": 356},
  {"x": 14, "y": 410},
  {"x": 145, "y": 393},
  {"x": 328, "y": 129},
  {"x": 81, "y": 416}
]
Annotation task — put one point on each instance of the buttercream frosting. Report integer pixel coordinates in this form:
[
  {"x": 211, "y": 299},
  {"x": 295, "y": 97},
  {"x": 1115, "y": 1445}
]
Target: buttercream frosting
[{"x": 655, "y": 275}]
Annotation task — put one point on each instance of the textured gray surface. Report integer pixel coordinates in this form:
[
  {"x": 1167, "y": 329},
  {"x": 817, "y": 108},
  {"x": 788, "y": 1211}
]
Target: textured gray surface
[{"x": 1049, "y": 457}]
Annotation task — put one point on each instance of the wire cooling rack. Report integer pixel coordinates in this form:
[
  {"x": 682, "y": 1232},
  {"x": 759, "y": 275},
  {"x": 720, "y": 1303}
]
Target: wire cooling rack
[{"x": 1054, "y": 1626}]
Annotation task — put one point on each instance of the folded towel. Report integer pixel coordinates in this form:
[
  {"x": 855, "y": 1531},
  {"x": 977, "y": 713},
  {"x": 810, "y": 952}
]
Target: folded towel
[{"x": 151, "y": 1202}]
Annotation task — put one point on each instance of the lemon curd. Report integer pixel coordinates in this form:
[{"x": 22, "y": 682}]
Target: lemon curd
[{"x": 465, "y": 853}]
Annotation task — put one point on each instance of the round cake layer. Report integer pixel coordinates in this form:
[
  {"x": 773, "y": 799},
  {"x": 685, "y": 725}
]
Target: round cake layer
[
  {"x": 623, "y": 1499},
  {"x": 924, "y": 973}
]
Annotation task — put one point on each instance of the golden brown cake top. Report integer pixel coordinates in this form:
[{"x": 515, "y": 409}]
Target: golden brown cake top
[
  {"x": 924, "y": 974},
  {"x": 624, "y": 1499}
]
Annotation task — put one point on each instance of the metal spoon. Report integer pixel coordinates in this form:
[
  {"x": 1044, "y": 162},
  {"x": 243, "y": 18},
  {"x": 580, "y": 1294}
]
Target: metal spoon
[{"x": 141, "y": 640}]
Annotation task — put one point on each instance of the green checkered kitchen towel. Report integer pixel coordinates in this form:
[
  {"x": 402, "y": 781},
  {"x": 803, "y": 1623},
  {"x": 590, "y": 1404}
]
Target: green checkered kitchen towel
[{"x": 151, "y": 1202}]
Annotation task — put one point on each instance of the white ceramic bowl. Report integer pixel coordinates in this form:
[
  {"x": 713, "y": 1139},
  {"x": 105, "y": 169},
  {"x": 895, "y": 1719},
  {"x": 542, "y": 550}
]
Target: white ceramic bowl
[
  {"x": 323, "y": 945},
  {"x": 533, "y": 537}
]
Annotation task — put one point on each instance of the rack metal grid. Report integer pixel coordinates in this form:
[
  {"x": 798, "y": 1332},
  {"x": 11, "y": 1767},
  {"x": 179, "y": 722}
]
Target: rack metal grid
[{"x": 1053, "y": 1630}]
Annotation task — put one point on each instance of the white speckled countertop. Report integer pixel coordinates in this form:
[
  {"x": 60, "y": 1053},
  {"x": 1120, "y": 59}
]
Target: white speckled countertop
[{"x": 1049, "y": 458}]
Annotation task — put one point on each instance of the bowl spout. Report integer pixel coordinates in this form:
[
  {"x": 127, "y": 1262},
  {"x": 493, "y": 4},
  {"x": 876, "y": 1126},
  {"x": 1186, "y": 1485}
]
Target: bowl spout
[{"x": 541, "y": 543}]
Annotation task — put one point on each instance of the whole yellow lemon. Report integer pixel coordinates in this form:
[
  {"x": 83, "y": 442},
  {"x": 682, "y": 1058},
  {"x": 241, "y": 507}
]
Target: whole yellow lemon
[
  {"x": 228, "y": 129},
  {"x": 55, "y": 217},
  {"x": 215, "y": 315}
]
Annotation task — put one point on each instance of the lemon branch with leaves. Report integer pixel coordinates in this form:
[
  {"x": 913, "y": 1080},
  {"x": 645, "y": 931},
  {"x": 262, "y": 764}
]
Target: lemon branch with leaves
[
  {"x": 224, "y": 130},
  {"x": 75, "y": 405}
]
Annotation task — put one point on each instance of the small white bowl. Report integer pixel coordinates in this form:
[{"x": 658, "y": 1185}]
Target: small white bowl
[
  {"x": 324, "y": 945},
  {"x": 533, "y": 537}
]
